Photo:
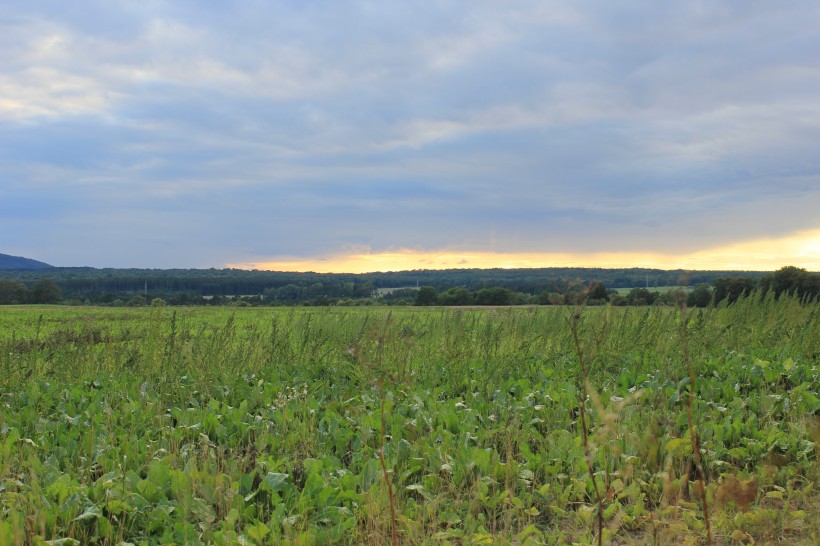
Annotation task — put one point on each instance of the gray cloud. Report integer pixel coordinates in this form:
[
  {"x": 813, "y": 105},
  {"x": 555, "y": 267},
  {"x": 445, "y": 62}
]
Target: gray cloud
[{"x": 193, "y": 134}]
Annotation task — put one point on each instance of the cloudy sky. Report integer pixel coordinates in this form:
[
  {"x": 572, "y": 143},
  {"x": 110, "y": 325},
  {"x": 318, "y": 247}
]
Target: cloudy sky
[{"x": 364, "y": 135}]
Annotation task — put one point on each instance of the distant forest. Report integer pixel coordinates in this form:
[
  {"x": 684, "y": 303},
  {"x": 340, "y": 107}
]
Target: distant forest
[{"x": 420, "y": 287}]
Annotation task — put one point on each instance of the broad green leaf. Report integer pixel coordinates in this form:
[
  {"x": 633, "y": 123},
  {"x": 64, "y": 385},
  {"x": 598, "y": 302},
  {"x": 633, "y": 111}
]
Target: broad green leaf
[
  {"x": 421, "y": 490},
  {"x": 92, "y": 512},
  {"x": 275, "y": 481},
  {"x": 117, "y": 506},
  {"x": 788, "y": 364},
  {"x": 257, "y": 532}
]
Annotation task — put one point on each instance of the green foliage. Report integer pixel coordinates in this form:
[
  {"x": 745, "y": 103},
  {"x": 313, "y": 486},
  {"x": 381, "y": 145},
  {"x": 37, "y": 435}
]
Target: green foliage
[
  {"x": 597, "y": 292},
  {"x": 495, "y": 296},
  {"x": 793, "y": 280},
  {"x": 456, "y": 296},
  {"x": 46, "y": 291},
  {"x": 701, "y": 296},
  {"x": 137, "y": 301},
  {"x": 427, "y": 295},
  {"x": 12, "y": 293},
  {"x": 731, "y": 289},
  {"x": 260, "y": 425},
  {"x": 641, "y": 296}
]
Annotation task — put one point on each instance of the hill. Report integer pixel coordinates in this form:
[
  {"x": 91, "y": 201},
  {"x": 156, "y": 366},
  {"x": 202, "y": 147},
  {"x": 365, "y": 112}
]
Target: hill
[{"x": 20, "y": 263}]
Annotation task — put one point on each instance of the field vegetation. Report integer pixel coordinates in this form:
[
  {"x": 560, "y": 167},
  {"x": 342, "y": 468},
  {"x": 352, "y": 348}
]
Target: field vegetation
[{"x": 338, "y": 425}]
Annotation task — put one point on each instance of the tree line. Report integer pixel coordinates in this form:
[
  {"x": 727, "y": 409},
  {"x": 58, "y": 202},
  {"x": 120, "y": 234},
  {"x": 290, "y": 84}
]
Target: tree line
[
  {"x": 87, "y": 282},
  {"x": 552, "y": 286},
  {"x": 16, "y": 293}
]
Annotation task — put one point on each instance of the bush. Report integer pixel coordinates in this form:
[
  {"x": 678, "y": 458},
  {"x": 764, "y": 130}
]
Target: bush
[{"x": 137, "y": 301}]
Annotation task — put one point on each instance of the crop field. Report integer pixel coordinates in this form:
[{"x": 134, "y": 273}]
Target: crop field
[{"x": 540, "y": 425}]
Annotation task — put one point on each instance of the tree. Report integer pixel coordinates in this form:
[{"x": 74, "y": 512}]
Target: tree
[
  {"x": 597, "y": 293},
  {"x": 137, "y": 301},
  {"x": 12, "y": 292},
  {"x": 550, "y": 298},
  {"x": 427, "y": 295},
  {"x": 320, "y": 301},
  {"x": 700, "y": 296},
  {"x": 793, "y": 280},
  {"x": 641, "y": 296},
  {"x": 455, "y": 296},
  {"x": 46, "y": 291},
  {"x": 732, "y": 288},
  {"x": 495, "y": 296},
  {"x": 316, "y": 289},
  {"x": 618, "y": 300},
  {"x": 400, "y": 296},
  {"x": 363, "y": 290}
]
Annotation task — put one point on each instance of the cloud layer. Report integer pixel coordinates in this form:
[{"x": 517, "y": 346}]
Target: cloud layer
[{"x": 196, "y": 134}]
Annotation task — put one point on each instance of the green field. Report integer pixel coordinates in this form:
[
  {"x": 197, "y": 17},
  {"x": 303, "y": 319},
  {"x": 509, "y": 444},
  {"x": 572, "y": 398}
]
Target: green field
[
  {"x": 265, "y": 426},
  {"x": 659, "y": 289}
]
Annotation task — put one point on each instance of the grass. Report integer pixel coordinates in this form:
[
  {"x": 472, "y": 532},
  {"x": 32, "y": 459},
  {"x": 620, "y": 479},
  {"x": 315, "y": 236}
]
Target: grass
[{"x": 186, "y": 426}]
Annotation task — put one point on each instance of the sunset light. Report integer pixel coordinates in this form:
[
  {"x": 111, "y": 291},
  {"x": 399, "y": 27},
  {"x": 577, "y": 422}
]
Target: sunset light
[{"x": 800, "y": 249}]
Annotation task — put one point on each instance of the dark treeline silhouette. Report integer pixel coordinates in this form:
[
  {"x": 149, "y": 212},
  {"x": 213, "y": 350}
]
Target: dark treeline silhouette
[{"x": 418, "y": 287}]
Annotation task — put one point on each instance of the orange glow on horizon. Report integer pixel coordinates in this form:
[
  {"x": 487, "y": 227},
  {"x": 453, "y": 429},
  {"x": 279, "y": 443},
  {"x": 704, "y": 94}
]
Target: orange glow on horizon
[{"x": 800, "y": 249}]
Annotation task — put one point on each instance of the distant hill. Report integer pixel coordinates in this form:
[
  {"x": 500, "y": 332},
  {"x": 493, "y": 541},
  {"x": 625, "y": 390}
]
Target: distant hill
[{"x": 20, "y": 263}]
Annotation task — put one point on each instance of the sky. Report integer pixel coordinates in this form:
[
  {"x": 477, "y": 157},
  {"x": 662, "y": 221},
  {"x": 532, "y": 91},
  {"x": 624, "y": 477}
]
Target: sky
[{"x": 357, "y": 136}]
